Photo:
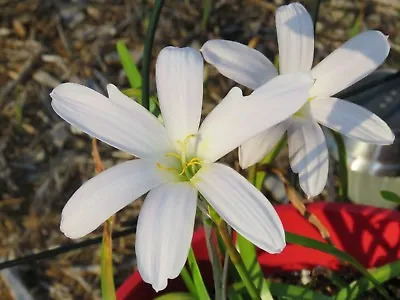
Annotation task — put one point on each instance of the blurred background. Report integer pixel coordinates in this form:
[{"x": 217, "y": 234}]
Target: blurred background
[{"x": 43, "y": 160}]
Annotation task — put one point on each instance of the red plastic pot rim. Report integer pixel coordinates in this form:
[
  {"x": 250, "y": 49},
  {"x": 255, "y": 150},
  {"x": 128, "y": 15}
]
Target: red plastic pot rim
[{"x": 370, "y": 234}]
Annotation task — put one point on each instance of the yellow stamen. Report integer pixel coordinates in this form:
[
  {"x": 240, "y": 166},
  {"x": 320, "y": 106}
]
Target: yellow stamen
[
  {"x": 173, "y": 154},
  {"x": 192, "y": 162},
  {"x": 162, "y": 167}
]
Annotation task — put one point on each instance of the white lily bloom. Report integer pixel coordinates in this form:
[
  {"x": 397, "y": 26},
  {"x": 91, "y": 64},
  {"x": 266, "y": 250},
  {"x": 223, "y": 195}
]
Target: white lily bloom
[
  {"x": 354, "y": 60},
  {"x": 177, "y": 161}
]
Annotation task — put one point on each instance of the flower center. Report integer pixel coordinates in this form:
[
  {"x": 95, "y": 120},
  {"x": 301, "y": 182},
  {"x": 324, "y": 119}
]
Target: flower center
[
  {"x": 303, "y": 112},
  {"x": 180, "y": 164}
]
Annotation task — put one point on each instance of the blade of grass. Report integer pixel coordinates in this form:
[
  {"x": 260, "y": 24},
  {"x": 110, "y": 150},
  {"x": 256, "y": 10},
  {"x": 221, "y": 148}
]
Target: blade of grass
[
  {"x": 130, "y": 68},
  {"x": 343, "y": 177},
  {"x": 317, "y": 245},
  {"x": 201, "y": 289},
  {"x": 148, "y": 46},
  {"x": 358, "y": 287}
]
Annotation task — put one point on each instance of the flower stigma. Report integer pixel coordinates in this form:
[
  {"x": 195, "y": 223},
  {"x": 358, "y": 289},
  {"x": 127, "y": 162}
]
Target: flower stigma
[{"x": 184, "y": 166}]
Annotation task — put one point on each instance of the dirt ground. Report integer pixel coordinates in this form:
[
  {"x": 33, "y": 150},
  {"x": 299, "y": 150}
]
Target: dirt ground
[{"x": 43, "y": 160}]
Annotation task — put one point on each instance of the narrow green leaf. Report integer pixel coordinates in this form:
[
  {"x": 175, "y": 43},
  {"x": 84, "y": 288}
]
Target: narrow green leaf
[
  {"x": 175, "y": 296},
  {"x": 390, "y": 196},
  {"x": 249, "y": 256},
  {"x": 206, "y": 13},
  {"x": 106, "y": 264},
  {"x": 202, "y": 292},
  {"x": 356, "y": 28},
  {"x": 314, "y": 244},
  {"x": 148, "y": 46},
  {"x": 187, "y": 279},
  {"x": 358, "y": 287},
  {"x": 131, "y": 71}
]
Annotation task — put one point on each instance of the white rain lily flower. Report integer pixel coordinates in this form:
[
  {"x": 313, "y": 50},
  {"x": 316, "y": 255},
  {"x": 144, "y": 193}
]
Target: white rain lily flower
[
  {"x": 176, "y": 160},
  {"x": 348, "y": 64}
]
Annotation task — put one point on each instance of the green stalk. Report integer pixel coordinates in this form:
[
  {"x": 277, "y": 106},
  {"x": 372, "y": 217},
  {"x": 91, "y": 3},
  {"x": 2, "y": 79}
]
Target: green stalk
[
  {"x": 235, "y": 256},
  {"x": 214, "y": 258},
  {"x": 106, "y": 265},
  {"x": 343, "y": 179},
  {"x": 148, "y": 46}
]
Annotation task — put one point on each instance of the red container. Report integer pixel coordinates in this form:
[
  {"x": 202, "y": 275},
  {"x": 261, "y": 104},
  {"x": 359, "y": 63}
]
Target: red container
[{"x": 370, "y": 234}]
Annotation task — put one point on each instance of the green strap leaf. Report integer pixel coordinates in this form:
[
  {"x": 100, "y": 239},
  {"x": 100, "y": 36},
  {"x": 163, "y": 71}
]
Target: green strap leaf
[
  {"x": 390, "y": 196},
  {"x": 130, "y": 68},
  {"x": 201, "y": 289},
  {"x": 358, "y": 287},
  {"x": 317, "y": 245}
]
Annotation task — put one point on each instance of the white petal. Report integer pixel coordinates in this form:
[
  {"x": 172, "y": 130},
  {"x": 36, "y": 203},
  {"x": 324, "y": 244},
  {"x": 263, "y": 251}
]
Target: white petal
[
  {"x": 352, "y": 120},
  {"x": 179, "y": 75},
  {"x": 295, "y": 31},
  {"x": 308, "y": 155},
  {"x": 117, "y": 121},
  {"x": 239, "y": 62},
  {"x": 105, "y": 194},
  {"x": 237, "y": 119},
  {"x": 255, "y": 149},
  {"x": 164, "y": 232},
  {"x": 350, "y": 63},
  {"x": 241, "y": 205}
]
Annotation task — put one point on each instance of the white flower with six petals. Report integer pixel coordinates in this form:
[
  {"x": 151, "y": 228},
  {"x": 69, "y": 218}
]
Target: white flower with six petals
[
  {"x": 348, "y": 64},
  {"x": 176, "y": 160}
]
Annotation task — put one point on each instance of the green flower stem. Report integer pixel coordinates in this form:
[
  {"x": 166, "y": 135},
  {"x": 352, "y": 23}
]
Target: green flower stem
[
  {"x": 148, "y": 45},
  {"x": 235, "y": 256},
  {"x": 257, "y": 177},
  {"x": 214, "y": 258},
  {"x": 341, "y": 149},
  {"x": 106, "y": 265},
  {"x": 187, "y": 279}
]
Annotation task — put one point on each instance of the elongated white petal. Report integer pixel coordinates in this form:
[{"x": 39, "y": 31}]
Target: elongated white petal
[
  {"x": 237, "y": 119},
  {"x": 352, "y": 120},
  {"x": 164, "y": 232},
  {"x": 350, "y": 63},
  {"x": 255, "y": 149},
  {"x": 295, "y": 31},
  {"x": 179, "y": 75},
  {"x": 308, "y": 155},
  {"x": 105, "y": 194},
  {"x": 117, "y": 121},
  {"x": 239, "y": 62},
  {"x": 241, "y": 205}
]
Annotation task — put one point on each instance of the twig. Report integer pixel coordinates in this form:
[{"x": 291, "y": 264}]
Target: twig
[
  {"x": 26, "y": 69},
  {"x": 300, "y": 207}
]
